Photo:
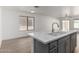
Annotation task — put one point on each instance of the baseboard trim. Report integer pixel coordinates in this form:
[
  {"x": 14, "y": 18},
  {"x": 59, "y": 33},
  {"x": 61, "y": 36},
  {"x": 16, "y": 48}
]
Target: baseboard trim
[{"x": 18, "y": 38}]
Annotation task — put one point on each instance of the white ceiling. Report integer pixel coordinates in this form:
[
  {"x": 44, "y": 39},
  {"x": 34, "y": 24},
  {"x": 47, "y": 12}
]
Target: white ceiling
[{"x": 54, "y": 11}]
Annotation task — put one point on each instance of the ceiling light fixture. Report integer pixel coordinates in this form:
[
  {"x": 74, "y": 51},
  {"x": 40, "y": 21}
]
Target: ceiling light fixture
[
  {"x": 32, "y": 11},
  {"x": 36, "y": 6}
]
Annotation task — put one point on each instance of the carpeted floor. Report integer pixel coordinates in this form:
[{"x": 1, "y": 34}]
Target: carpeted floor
[{"x": 22, "y": 45}]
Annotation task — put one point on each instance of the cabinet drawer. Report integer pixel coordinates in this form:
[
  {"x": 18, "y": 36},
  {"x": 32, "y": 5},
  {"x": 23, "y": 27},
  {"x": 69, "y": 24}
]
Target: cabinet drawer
[
  {"x": 54, "y": 50},
  {"x": 53, "y": 44}
]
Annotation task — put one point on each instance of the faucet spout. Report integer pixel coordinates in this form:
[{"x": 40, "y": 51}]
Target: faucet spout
[{"x": 55, "y": 26}]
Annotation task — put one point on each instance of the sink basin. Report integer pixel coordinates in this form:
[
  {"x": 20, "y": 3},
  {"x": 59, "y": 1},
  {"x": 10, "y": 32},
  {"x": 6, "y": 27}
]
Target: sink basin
[{"x": 57, "y": 33}]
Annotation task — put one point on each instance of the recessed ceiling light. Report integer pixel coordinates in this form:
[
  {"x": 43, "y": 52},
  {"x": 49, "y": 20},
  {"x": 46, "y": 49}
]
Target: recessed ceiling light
[{"x": 32, "y": 11}]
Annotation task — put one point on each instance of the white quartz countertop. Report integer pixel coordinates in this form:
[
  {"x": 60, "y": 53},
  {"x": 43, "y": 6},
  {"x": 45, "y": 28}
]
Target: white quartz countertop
[{"x": 45, "y": 37}]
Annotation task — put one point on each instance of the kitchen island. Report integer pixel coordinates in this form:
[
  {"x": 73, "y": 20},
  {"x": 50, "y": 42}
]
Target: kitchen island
[{"x": 55, "y": 42}]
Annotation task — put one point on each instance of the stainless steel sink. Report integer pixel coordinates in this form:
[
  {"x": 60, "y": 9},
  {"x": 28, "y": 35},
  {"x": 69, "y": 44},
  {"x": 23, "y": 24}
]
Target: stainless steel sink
[{"x": 57, "y": 33}]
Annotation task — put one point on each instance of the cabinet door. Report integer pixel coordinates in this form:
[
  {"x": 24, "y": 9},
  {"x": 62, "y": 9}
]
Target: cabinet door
[
  {"x": 61, "y": 48},
  {"x": 67, "y": 42},
  {"x": 72, "y": 45},
  {"x": 61, "y": 45},
  {"x": 74, "y": 39},
  {"x": 73, "y": 42}
]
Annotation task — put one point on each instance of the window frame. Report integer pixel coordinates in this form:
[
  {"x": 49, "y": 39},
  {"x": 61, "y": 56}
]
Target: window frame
[
  {"x": 77, "y": 23},
  {"x": 64, "y": 24},
  {"x": 27, "y": 19}
]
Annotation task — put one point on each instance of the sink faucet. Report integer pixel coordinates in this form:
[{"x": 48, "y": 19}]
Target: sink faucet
[{"x": 53, "y": 26}]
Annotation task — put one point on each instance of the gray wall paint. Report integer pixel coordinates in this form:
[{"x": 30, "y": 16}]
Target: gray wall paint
[
  {"x": 0, "y": 24},
  {"x": 10, "y": 23},
  {"x": 44, "y": 23},
  {"x": 0, "y": 27}
]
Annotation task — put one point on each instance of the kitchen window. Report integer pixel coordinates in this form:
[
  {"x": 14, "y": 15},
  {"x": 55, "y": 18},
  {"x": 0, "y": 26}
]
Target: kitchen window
[
  {"x": 27, "y": 23},
  {"x": 65, "y": 25},
  {"x": 76, "y": 23}
]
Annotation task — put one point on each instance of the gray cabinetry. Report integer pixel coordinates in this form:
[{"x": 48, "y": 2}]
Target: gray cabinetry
[
  {"x": 65, "y": 44},
  {"x": 61, "y": 48},
  {"x": 39, "y": 47},
  {"x": 73, "y": 42},
  {"x": 61, "y": 45},
  {"x": 53, "y": 47},
  {"x": 53, "y": 50}
]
